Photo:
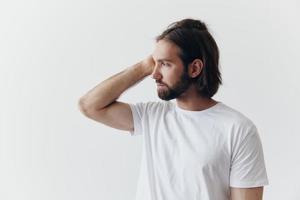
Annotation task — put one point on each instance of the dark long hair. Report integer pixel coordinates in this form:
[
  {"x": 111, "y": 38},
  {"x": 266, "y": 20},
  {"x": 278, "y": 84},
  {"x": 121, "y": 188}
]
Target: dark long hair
[{"x": 194, "y": 41}]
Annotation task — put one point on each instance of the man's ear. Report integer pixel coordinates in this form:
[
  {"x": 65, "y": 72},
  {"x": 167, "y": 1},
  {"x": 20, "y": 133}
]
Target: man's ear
[{"x": 195, "y": 68}]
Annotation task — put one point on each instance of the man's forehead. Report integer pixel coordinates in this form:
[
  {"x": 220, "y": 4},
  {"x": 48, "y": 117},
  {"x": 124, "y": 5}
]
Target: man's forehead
[{"x": 165, "y": 51}]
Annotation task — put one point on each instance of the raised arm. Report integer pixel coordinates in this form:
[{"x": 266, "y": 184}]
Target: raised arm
[{"x": 100, "y": 103}]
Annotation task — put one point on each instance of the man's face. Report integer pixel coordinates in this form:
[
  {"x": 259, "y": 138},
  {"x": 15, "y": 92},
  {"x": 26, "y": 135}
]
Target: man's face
[{"x": 171, "y": 78}]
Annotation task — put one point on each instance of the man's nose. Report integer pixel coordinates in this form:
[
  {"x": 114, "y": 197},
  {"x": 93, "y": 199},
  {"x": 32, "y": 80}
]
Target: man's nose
[{"x": 156, "y": 74}]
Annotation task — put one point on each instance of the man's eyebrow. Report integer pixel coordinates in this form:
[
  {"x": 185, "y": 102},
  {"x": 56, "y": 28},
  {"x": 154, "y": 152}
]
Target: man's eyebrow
[{"x": 164, "y": 59}]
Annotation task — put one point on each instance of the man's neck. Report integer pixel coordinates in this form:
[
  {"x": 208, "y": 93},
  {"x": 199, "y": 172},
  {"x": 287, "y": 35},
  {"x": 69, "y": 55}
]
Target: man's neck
[{"x": 190, "y": 100}]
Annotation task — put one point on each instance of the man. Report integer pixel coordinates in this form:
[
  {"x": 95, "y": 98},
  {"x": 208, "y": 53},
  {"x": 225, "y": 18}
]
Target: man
[{"x": 197, "y": 148}]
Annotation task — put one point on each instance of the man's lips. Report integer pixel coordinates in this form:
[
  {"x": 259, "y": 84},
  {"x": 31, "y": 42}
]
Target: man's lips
[{"x": 159, "y": 84}]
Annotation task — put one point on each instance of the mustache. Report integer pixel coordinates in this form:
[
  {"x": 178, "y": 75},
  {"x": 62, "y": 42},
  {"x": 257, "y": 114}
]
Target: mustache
[{"x": 158, "y": 82}]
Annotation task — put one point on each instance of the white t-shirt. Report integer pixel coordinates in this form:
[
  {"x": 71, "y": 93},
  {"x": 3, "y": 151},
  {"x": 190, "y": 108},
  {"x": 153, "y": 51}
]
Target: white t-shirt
[{"x": 196, "y": 155}]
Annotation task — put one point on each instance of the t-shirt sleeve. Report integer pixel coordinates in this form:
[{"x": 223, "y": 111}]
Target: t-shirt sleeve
[
  {"x": 247, "y": 164},
  {"x": 138, "y": 110}
]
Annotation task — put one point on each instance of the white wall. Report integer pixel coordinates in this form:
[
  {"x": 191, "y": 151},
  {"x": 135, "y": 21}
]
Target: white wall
[{"x": 53, "y": 52}]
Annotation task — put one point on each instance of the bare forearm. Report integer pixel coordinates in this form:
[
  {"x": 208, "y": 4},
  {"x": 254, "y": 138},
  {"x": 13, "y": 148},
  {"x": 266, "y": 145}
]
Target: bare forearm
[{"x": 110, "y": 89}]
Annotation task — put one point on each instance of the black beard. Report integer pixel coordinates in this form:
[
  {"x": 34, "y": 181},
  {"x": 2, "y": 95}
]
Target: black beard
[{"x": 180, "y": 87}]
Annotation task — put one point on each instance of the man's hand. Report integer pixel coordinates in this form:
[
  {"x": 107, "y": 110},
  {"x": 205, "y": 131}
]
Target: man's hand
[{"x": 148, "y": 64}]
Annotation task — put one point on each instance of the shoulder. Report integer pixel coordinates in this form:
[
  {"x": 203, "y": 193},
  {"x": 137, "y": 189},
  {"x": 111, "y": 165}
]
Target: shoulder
[
  {"x": 152, "y": 107},
  {"x": 234, "y": 117},
  {"x": 238, "y": 125}
]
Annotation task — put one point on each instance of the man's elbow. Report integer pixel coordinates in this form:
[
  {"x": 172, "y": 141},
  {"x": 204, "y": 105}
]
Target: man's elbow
[{"x": 83, "y": 107}]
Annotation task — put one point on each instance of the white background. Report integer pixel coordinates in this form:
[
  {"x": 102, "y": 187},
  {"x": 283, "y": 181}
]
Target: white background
[{"x": 53, "y": 52}]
